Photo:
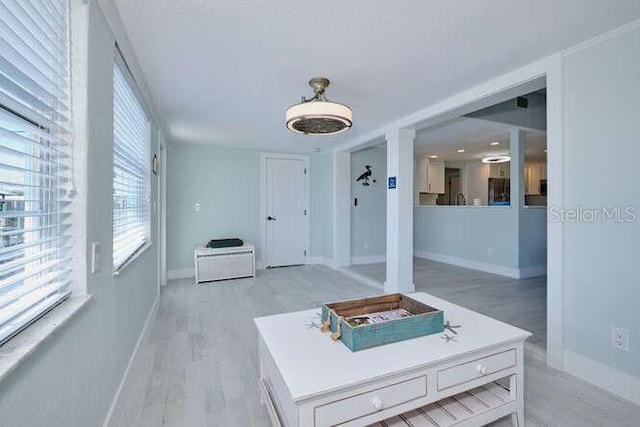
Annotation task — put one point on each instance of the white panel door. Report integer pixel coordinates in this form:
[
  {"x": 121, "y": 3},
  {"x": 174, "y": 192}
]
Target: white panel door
[{"x": 286, "y": 222}]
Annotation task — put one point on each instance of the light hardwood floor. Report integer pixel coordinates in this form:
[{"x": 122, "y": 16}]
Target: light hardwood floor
[
  {"x": 198, "y": 364},
  {"x": 522, "y": 303}
]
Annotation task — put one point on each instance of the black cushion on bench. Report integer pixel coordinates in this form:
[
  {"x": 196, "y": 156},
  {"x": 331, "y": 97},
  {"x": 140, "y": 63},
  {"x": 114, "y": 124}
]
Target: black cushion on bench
[{"x": 224, "y": 243}]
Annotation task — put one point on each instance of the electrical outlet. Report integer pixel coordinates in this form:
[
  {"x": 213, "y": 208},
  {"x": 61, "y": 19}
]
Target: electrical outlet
[
  {"x": 620, "y": 338},
  {"x": 196, "y": 207},
  {"x": 490, "y": 251},
  {"x": 95, "y": 257}
]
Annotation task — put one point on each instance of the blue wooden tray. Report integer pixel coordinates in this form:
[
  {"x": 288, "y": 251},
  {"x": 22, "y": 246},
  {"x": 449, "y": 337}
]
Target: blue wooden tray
[{"x": 426, "y": 320}]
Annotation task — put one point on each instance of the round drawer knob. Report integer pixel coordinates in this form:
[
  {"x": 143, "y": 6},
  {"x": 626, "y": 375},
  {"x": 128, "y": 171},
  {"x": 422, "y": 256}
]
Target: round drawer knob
[
  {"x": 482, "y": 370},
  {"x": 377, "y": 404}
]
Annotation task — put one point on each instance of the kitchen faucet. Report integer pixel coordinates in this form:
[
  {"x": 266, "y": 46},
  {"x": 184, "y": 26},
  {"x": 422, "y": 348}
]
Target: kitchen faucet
[{"x": 460, "y": 200}]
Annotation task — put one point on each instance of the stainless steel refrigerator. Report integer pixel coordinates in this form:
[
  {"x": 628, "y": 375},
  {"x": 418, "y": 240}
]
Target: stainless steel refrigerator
[{"x": 499, "y": 192}]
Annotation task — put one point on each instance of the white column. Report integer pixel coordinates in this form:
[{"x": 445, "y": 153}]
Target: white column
[
  {"x": 341, "y": 209},
  {"x": 400, "y": 211},
  {"x": 516, "y": 172}
]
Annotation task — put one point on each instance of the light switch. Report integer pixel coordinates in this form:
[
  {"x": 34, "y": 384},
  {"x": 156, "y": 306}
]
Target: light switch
[
  {"x": 196, "y": 207},
  {"x": 95, "y": 257}
]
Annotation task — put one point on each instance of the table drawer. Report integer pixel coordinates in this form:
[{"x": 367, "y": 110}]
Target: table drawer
[
  {"x": 476, "y": 369},
  {"x": 368, "y": 403}
]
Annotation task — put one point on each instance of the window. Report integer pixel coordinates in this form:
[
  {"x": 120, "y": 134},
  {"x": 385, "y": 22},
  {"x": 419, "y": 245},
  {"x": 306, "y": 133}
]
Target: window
[
  {"x": 35, "y": 161},
  {"x": 131, "y": 132}
]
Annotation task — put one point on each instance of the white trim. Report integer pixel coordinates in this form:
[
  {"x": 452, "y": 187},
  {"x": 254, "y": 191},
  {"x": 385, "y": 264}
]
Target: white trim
[
  {"x": 620, "y": 383},
  {"x": 342, "y": 209},
  {"x": 368, "y": 259},
  {"x": 318, "y": 260},
  {"x": 183, "y": 273},
  {"x": 522, "y": 80},
  {"x": 602, "y": 37},
  {"x": 263, "y": 261},
  {"x": 26, "y": 343},
  {"x": 514, "y": 273},
  {"x": 533, "y": 271},
  {"x": 145, "y": 330},
  {"x": 555, "y": 230}
]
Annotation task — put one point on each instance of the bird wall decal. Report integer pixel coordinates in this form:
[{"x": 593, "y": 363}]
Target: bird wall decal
[{"x": 365, "y": 176}]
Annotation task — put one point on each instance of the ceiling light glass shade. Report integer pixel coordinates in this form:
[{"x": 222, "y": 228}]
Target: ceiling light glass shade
[
  {"x": 319, "y": 118},
  {"x": 496, "y": 159}
]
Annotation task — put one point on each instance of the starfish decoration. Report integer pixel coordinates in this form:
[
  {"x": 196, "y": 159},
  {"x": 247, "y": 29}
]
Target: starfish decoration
[
  {"x": 448, "y": 338},
  {"x": 451, "y": 327},
  {"x": 312, "y": 325}
]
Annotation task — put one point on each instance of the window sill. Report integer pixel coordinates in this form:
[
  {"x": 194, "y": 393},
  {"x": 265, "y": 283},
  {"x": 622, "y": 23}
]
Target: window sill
[
  {"x": 142, "y": 249},
  {"x": 22, "y": 346}
]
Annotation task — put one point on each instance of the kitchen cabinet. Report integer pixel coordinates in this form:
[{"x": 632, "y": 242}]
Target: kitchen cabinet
[
  {"x": 533, "y": 174},
  {"x": 500, "y": 170},
  {"x": 430, "y": 176}
]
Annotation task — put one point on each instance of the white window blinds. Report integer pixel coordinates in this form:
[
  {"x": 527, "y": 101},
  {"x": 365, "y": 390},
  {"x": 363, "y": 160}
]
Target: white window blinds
[
  {"x": 131, "y": 132},
  {"x": 35, "y": 162}
]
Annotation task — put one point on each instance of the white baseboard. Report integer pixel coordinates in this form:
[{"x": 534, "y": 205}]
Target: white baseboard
[
  {"x": 610, "y": 379},
  {"x": 368, "y": 259},
  {"x": 534, "y": 271},
  {"x": 183, "y": 273},
  {"x": 316, "y": 260},
  {"x": 145, "y": 330},
  {"x": 474, "y": 265}
]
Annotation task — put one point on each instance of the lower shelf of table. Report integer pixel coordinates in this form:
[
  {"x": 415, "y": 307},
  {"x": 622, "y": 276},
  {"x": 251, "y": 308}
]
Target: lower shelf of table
[{"x": 453, "y": 410}]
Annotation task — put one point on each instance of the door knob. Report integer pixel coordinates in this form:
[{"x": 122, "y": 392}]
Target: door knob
[{"x": 271, "y": 218}]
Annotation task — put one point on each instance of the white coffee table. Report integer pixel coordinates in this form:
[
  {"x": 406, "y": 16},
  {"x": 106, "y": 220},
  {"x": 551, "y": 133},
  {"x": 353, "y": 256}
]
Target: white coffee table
[{"x": 309, "y": 380}]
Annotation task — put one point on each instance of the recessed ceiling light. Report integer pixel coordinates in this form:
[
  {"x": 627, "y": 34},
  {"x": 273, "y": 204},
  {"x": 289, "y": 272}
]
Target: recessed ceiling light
[
  {"x": 545, "y": 150},
  {"x": 433, "y": 157},
  {"x": 461, "y": 150},
  {"x": 495, "y": 143},
  {"x": 496, "y": 159}
]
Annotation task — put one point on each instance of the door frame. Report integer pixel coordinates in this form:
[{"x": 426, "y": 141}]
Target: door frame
[
  {"x": 506, "y": 86},
  {"x": 262, "y": 262}
]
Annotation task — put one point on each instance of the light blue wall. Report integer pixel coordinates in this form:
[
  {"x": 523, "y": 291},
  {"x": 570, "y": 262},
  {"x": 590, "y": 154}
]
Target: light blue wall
[
  {"x": 226, "y": 184},
  {"x": 533, "y": 237},
  {"x": 369, "y": 218},
  {"x": 601, "y": 151},
  {"x": 322, "y": 206},
  {"x": 71, "y": 379},
  {"x": 468, "y": 233}
]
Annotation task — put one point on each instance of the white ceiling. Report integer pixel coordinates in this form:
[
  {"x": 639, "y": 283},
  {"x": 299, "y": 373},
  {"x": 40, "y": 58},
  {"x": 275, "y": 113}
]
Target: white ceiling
[
  {"x": 475, "y": 136},
  {"x": 223, "y": 72}
]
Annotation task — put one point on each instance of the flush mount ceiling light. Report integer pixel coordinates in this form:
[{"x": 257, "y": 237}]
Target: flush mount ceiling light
[
  {"x": 317, "y": 116},
  {"x": 494, "y": 143},
  {"x": 496, "y": 159},
  {"x": 461, "y": 150}
]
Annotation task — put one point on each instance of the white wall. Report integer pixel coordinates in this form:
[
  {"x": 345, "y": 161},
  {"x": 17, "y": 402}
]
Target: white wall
[
  {"x": 369, "y": 218},
  {"x": 71, "y": 379},
  {"x": 601, "y": 87}
]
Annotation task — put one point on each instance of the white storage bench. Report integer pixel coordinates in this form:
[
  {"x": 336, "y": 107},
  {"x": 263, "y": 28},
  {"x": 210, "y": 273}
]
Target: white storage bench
[{"x": 224, "y": 263}]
